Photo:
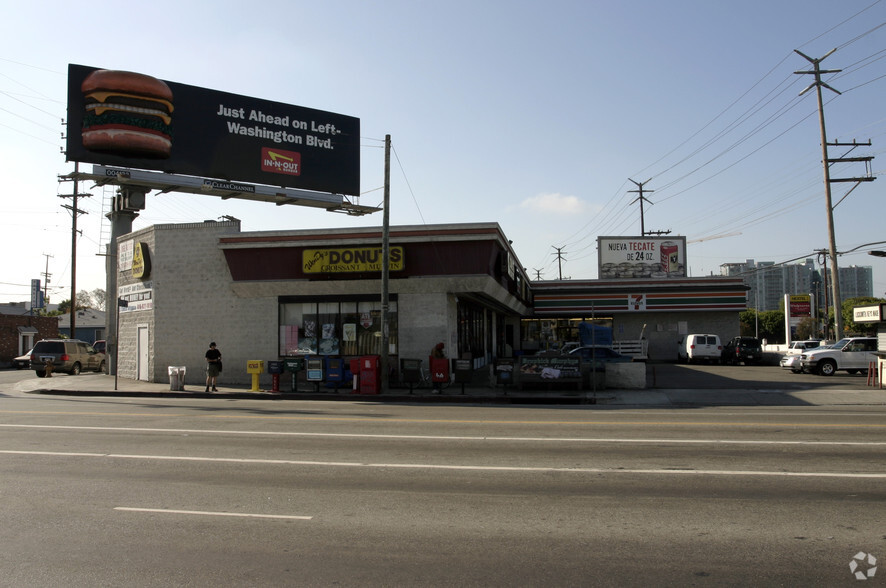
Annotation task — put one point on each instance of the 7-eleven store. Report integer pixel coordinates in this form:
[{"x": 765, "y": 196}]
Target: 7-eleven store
[{"x": 661, "y": 311}]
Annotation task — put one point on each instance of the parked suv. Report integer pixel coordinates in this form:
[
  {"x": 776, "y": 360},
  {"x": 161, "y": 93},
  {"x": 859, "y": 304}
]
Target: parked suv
[
  {"x": 853, "y": 355},
  {"x": 742, "y": 349},
  {"x": 66, "y": 355},
  {"x": 697, "y": 347}
]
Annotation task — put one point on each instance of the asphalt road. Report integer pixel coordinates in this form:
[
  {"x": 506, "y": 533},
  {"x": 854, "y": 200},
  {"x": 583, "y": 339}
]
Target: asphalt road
[
  {"x": 152, "y": 492},
  {"x": 750, "y": 377}
]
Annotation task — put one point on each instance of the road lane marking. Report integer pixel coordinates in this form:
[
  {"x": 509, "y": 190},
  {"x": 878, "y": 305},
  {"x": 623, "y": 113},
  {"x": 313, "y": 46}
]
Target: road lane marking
[
  {"x": 213, "y": 513},
  {"x": 476, "y": 468},
  {"x": 453, "y": 437},
  {"x": 378, "y": 420}
]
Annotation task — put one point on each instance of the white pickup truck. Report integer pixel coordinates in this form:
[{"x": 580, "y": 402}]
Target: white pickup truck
[{"x": 853, "y": 355}]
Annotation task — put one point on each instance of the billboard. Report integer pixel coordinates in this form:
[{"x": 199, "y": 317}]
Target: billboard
[
  {"x": 134, "y": 120},
  {"x": 641, "y": 257}
]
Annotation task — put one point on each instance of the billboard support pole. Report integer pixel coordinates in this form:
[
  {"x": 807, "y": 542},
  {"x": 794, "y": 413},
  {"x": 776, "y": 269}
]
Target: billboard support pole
[{"x": 121, "y": 218}]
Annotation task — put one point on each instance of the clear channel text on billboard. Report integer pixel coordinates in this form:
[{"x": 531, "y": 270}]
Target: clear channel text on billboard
[{"x": 134, "y": 120}]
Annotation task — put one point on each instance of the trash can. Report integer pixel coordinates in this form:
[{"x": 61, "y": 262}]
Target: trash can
[{"x": 177, "y": 378}]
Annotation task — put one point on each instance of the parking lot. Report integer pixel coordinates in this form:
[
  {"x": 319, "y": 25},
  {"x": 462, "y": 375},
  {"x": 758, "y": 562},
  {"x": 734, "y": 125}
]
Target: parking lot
[{"x": 767, "y": 376}]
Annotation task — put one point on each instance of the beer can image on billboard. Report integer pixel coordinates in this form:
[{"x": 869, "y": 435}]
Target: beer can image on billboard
[{"x": 670, "y": 258}]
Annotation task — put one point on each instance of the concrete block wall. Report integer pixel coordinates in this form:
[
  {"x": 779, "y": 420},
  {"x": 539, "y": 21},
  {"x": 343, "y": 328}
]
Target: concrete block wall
[
  {"x": 129, "y": 321},
  {"x": 196, "y": 305},
  {"x": 626, "y": 376},
  {"x": 423, "y": 322}
]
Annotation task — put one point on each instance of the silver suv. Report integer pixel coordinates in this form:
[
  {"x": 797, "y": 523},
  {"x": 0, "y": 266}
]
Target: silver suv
[
  {"x": 65, "y": 355},
  {"x": 853, "y": 354}
]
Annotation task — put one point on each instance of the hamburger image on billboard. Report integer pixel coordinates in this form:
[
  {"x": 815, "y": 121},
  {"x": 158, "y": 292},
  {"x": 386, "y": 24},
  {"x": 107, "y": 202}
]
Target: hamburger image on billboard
[
  {"x": 127, "y": 114},
  {"x": 134, "y": 120}
]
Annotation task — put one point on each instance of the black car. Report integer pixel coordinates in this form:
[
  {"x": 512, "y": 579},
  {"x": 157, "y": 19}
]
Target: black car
[{"x": 742, "y": 349}]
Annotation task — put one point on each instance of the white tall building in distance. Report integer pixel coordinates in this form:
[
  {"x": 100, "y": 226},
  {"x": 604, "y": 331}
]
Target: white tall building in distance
[{"x": 769, "y": 282}]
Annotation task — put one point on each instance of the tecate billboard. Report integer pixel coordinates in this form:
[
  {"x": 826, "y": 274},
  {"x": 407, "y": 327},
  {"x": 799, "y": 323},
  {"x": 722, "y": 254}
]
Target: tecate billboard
[
  {"x": 134, "y": 120},
  {"x": 641, "y": 257}
]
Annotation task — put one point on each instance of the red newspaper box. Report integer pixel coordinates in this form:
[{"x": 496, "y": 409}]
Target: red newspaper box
[
  {"x": 370, "y": 374},
  {"x": 439, "y": 369},
  {"x": 355, "y": 375}
]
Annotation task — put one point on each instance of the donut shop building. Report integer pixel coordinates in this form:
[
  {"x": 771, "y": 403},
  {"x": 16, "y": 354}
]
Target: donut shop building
[{"x": 272, "y": 295}]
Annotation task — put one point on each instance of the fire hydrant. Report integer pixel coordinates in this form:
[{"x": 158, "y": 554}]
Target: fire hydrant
[{"x": 48, "y": 364}]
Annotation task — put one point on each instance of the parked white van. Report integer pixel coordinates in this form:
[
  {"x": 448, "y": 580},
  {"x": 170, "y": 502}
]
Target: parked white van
[{"x": 696, "y": 347}]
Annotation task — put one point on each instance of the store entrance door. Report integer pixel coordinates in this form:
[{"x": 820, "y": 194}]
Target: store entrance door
[{"x": 142, "y": 353}]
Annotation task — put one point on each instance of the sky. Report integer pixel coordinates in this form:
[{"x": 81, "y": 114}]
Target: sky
[{"x": 534, "y": 115}]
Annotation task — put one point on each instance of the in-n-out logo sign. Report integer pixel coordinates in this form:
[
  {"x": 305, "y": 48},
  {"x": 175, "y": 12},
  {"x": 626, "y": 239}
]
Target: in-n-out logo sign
[
  {"x": 279, "y": 161},
  {"x": 863, "y": 566}
]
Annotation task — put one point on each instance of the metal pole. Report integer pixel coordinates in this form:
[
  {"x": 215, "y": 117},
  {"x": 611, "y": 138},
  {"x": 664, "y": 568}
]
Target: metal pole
[
  {"x": 114, "y": 347},
  {"x": 385, "y": 269},
  {"x": 121, "y": 224},
  {"x": 74, "y": 259}
]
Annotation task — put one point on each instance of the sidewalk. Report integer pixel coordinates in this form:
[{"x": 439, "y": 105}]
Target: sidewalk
[{"x": 104, "y": 385}]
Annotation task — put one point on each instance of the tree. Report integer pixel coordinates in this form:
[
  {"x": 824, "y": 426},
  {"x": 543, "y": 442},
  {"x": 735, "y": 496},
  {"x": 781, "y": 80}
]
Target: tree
[
  {"x": 772, "y": 326},
  {"x": 64, "y": 307},
  {"x": 807, "y": 329},
  {"x": 767, "y": 325},
  {"x": 747, "y": 323},
  {"x": 84, "y": 300},
  {"x": 99, "y": 299}
]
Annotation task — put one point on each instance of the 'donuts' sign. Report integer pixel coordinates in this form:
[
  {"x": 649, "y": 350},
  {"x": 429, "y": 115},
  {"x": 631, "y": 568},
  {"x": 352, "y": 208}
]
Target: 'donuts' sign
[
  {"x": 134, "y": 120},
  {"x": 360, "y": 259}
]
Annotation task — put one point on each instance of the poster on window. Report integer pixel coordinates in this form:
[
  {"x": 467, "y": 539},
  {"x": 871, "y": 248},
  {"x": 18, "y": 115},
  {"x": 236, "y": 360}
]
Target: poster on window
[{"x": 328, "y": 340}]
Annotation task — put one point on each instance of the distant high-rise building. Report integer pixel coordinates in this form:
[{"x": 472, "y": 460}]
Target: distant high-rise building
[
  {"x": 856, "y": 281},
  {"x": 769, "y": 283}
]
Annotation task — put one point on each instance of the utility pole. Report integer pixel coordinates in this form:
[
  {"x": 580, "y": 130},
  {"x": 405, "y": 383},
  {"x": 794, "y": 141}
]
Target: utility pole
[
  {"x": 641, "y": 198},
  {"x": 832, "y": 242},
  {"x": 46, "y": 276},
  {"x": 75, "y": 212},
  {"x": 537, "y": 273},
  {"x": 560, "y": 255},
  {"x": 866, "y": 160}
]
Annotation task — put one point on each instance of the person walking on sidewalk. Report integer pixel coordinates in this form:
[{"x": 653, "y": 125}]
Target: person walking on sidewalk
[{"x": 213, "y": 366}]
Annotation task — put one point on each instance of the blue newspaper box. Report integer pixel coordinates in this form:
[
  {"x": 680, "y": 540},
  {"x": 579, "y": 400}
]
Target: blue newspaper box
[{"x": 335, "y": 372}]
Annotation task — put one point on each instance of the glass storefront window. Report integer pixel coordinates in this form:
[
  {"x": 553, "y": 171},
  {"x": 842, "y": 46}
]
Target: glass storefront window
[
  {"x": 335, "y": 328},
  {"x": 545, "y": 334},
  {"x": 328, "y": 328}
]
